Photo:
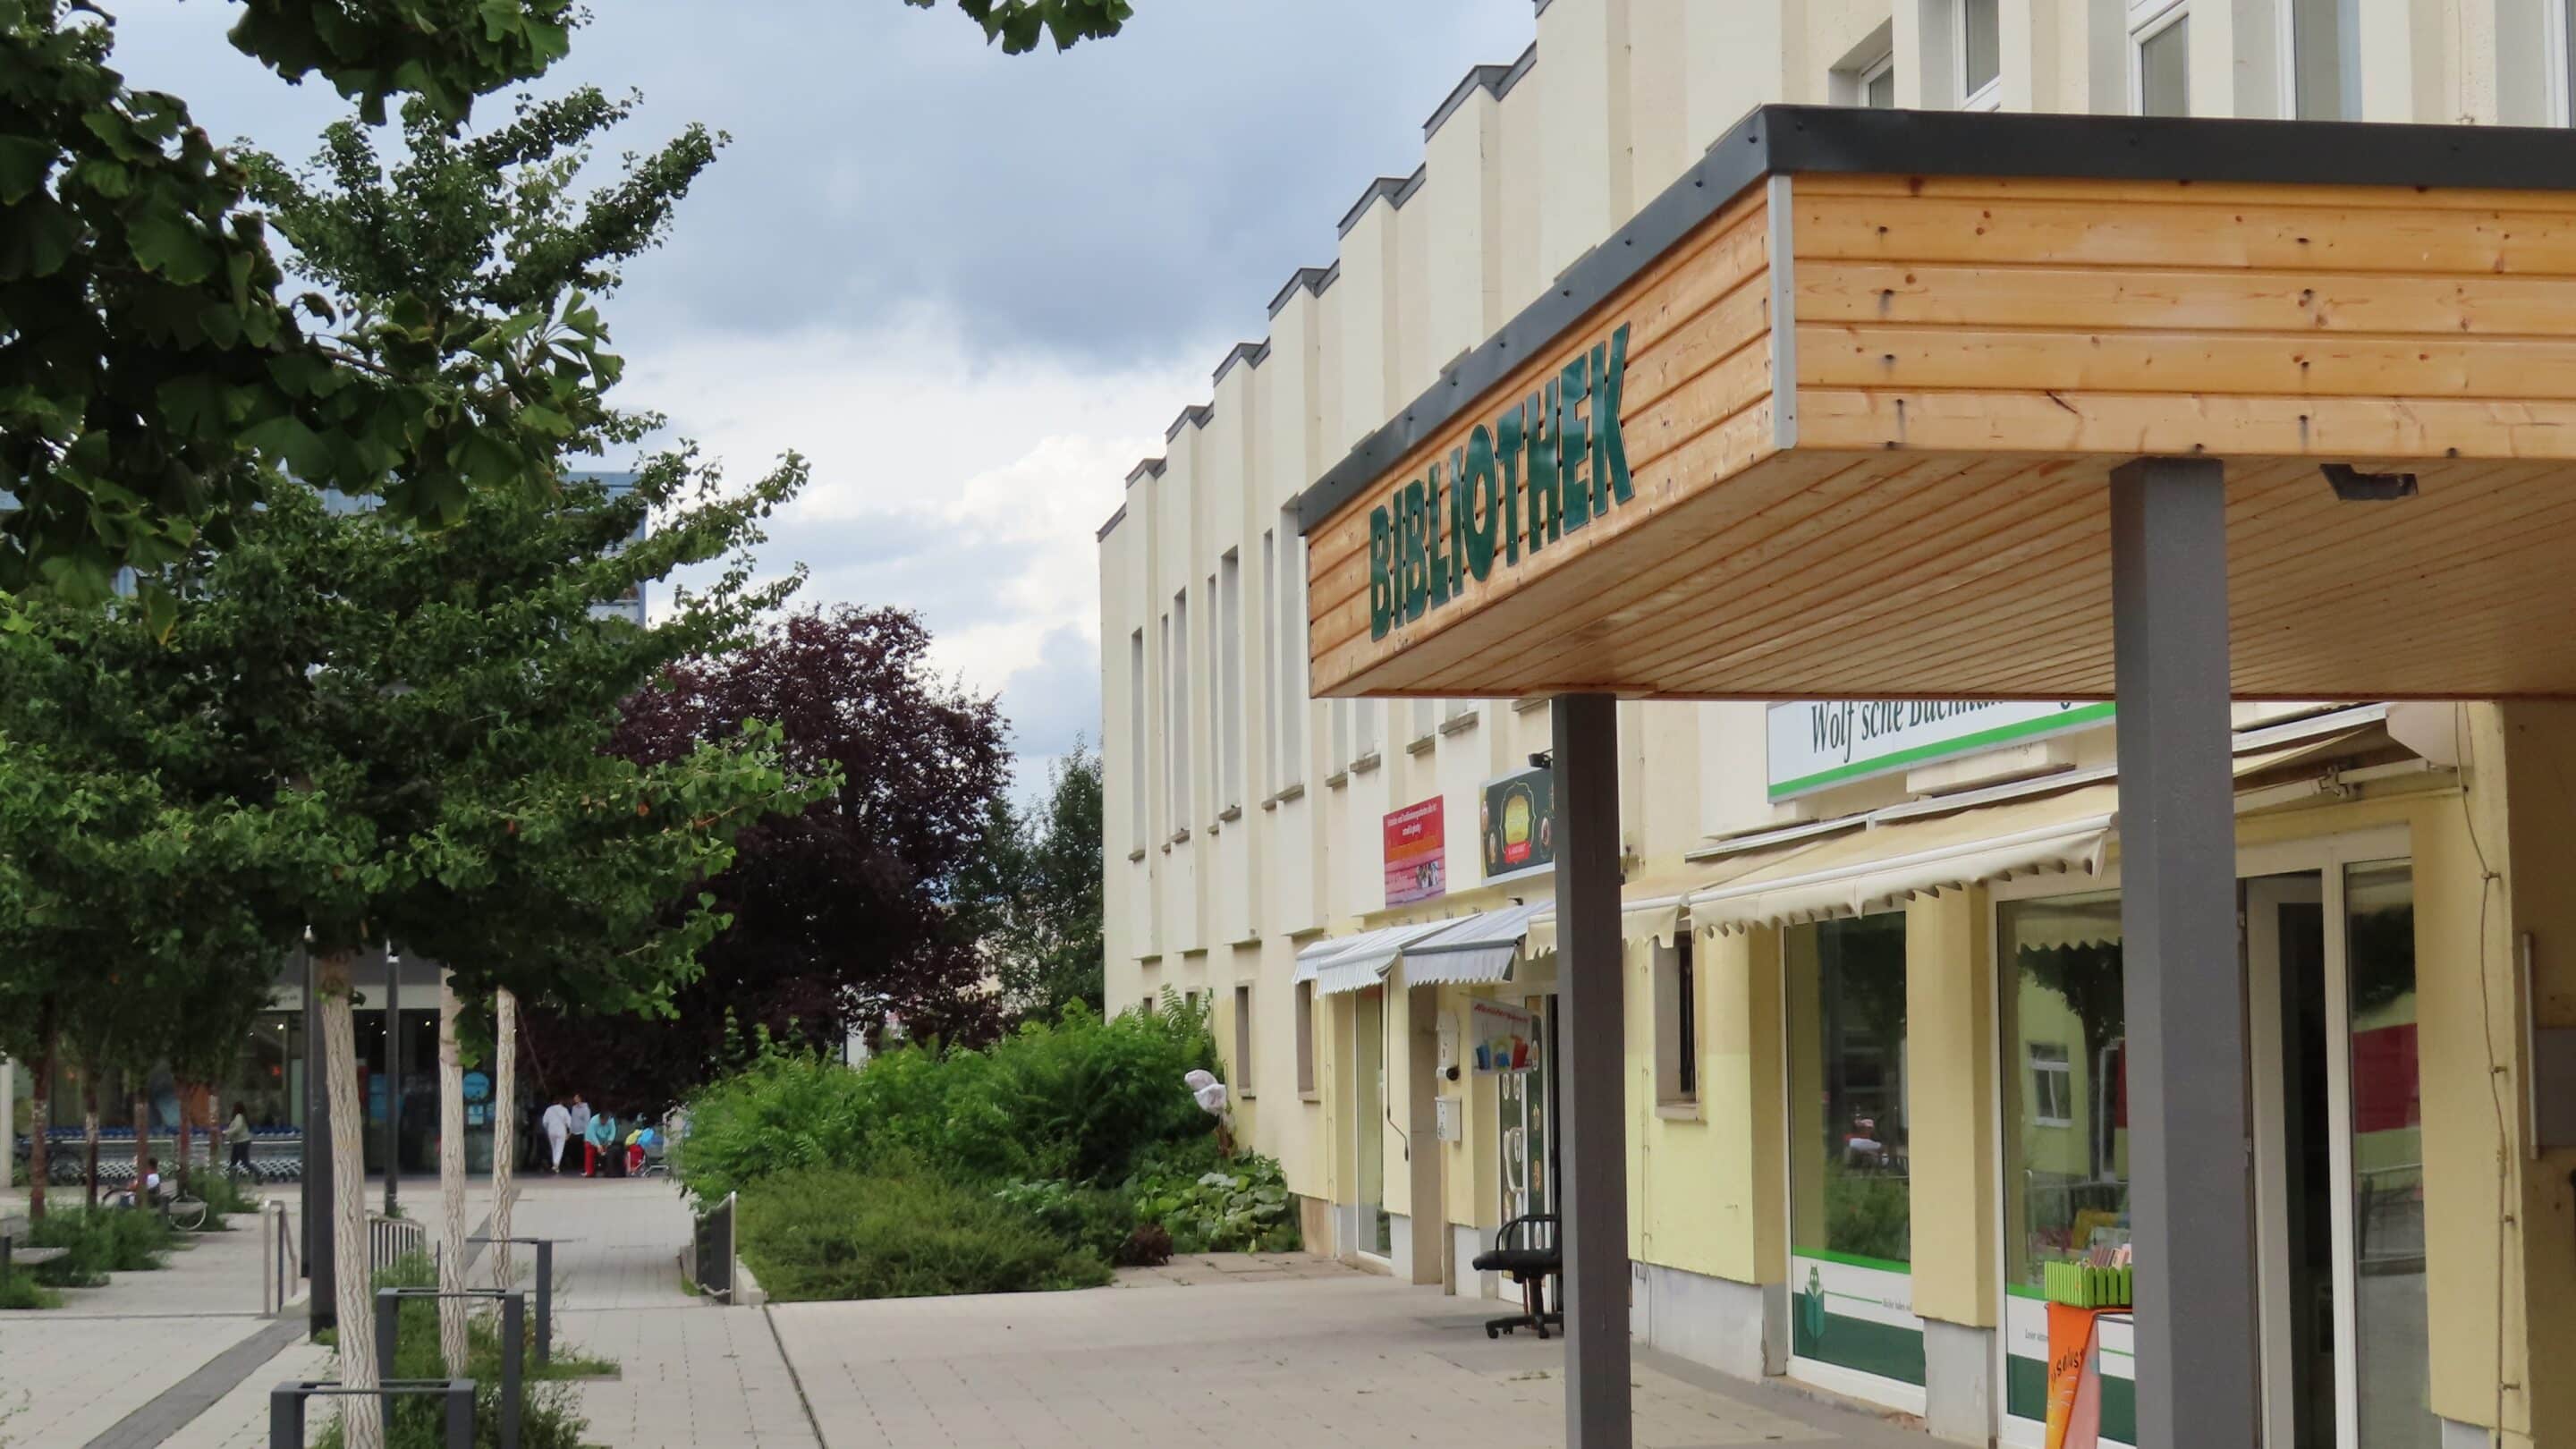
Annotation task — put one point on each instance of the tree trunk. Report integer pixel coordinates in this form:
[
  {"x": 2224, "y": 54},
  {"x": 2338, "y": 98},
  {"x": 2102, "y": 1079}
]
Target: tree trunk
[
  {"x": 89, "y": 1137},
  {"x": 187, "y": 1135},
  {"x": 451, "y": 1182},
  {"x": 40, "y": 1156},
  {"x": 361, "y": 1425},
  {"x": 505, "y": 1130},
  {"x": 142, "y": 1143}
]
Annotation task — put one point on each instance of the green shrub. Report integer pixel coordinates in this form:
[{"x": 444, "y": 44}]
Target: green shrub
[
  {"x": 19, "y": 1290},
  {"x": 223, "y": 1195},
  {"x": 1076, "y": 1099},
  {"x": 1097, "y": 1218},
  {"x": 1240, "y": 1207},
  {"x": 900, "y": 1231},
  {"x": 101, "y": 1241},
  {"x": 1867, "y": 1214}
]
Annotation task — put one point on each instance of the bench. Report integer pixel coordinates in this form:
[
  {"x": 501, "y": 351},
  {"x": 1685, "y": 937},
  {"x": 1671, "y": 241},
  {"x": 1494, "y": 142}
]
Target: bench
[{"x": 14, "y": 1231}]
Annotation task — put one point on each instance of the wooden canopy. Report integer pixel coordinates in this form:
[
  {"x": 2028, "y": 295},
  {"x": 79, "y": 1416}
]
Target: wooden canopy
[{"x": 1841, "y": 407}]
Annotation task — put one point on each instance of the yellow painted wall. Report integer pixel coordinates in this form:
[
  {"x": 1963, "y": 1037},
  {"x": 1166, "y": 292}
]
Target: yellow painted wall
[{"x": 1707, "y": 1190}]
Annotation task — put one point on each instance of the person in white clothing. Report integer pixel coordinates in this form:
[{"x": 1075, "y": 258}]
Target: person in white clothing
[{"x": 558, "y": 1124}]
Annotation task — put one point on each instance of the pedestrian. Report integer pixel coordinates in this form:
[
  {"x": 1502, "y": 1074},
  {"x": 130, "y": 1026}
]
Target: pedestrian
[
  {"x": 558, "y": 1125},
  {"x": 596, "y": 1142},
  {"x": 238, "y": 1135},
  {"x": 581, "y": 1124}
]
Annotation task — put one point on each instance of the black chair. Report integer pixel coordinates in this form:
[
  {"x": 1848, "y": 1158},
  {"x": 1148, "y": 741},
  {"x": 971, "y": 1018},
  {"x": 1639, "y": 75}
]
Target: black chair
[{"x": 1526, "y": 1249}]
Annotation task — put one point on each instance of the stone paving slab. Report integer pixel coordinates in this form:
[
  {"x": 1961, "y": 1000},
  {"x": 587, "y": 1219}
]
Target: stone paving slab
[
  {"x": 81, "y": 1376},
  {"x": 239, "y": 1420},
  {"x": 1343, "y": 1359}
]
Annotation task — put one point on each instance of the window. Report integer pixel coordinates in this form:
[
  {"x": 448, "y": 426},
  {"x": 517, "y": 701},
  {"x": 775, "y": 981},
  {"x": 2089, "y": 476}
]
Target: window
[
  {"x": 1274, "y": 699},
  {"x": 1364, "y": 716},
  {"x": 1849, "y": 1192},
  {"x": 2052, "y": 1086},
  {"x": 1190, "y": 1000},
  {"x": 1426, "y": 715},
  {"x": 1228, "y": 645},
  {"x": 1878, "y": 84},
  {"x": 1242, "y": 1041},
  {"x": 1215, "y": 667},
  {"x": 1176, "y": 729},
  {"x": 1288, "y": 666},
  {"x": 1981, "y": 55},
  {"x": 2317, "y": 36},
  {"x": 1149, "y": 1003},
  {"x": 1140, "y": 828},
  {"x": 2391, "y": 1339},
  {"x": 2160, "y": 50},
  {"x": 1676, "y": 1023},
  {"x": 1341, "y": 712},
  {"x": 1306, "y": 1038}
]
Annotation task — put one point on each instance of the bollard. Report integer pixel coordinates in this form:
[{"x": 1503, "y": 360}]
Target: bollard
[
  {"x": 286, "y": 1406},
  {"x": 545, "y": 1291},
  {"x": 514, "y": 1336}
]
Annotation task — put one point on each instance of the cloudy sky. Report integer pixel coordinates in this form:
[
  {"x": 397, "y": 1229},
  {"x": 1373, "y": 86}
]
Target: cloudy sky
[{"x": 973, "y": 289}]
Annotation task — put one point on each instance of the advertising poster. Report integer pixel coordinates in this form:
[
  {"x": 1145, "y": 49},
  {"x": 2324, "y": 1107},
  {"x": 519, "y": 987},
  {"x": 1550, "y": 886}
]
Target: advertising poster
[
  {"x": 1501, "y": 1038},
  {"x": 1517, "y": 823},
  {"x": 1415, "y": 854}
]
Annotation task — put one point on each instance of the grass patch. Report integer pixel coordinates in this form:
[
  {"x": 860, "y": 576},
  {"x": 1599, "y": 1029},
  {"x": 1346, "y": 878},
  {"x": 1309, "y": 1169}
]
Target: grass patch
[
  {"x": 900, "y": 1232},
  {"x": 100, "y": 1241}
]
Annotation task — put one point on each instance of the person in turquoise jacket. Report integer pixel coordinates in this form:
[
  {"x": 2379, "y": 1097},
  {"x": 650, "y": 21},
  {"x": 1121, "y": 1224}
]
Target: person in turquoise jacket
[{"x": 598, "y": 1143}]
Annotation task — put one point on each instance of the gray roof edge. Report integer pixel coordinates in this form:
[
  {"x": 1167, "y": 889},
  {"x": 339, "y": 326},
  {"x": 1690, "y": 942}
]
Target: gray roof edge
[
  {"x": 1306, "y": 277},
  {"x": 1145, "y": 467},
  {"x": 1195, "y": 415},
  {"x": 1250, "y": 354},
  {"x": 1115, "y": 519},
  {"x": 1386, "y": 186},
  {"x": 1519, "y": 71},
  {"x": 1488, "y": 78}
]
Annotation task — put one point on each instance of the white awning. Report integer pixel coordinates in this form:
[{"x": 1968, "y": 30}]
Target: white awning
[
  {"x": 1355, "y": 963},
  {"x": 1881, "y": 868},
  {"x": 1651, "y": 918},
  {"x": 1472, "y": 949}
]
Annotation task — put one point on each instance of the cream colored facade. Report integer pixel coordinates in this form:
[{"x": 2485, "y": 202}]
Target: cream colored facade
[{"x": 1245, "y": 820}]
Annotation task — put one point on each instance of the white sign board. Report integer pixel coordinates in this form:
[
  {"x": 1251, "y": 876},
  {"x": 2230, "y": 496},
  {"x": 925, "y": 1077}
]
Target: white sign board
[{"x": 1817, "y": 744}]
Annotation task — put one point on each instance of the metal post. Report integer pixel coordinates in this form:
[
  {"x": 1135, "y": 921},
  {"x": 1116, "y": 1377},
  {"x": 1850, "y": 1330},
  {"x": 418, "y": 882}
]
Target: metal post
[
  {"x": 545, "y": 1301},
  {"x": 514, "y": 1342},
  {"x": 2190, "y": 1203},
  {"x": 393, "y": 1074},
  {"x": 320, "y": 1265},
  {"x": 286, "y": 1417},
  {"x": 388, "y": 1331},
  {"x": 1593, "y": 1227},
  {"x": 460, "y": 1415}
]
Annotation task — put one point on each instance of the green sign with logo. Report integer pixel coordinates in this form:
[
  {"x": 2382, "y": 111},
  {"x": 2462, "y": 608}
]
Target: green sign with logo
[{"x": 1543, "y": 469}]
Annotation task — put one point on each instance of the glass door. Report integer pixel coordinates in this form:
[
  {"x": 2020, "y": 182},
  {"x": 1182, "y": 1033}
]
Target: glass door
[
  {"x": 2291, "y": 1088},
  {"x": 2390, "y": 1402},
  {"x": 1368, "y": 1128}
]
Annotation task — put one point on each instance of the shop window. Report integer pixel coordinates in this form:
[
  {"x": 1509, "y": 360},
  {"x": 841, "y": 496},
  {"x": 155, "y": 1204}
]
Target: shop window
[
  {"x": 2052, "y": 1086},
  {"x": 2160, "y": 57},
  {"x": 1676, "y": 1023},
  {"x": 1305, "y": 1038},
  {"x": 1850, "y": 1198},
  {"x": 2391, "y": 1312},
  {"x": 1243, "y": 1041}
]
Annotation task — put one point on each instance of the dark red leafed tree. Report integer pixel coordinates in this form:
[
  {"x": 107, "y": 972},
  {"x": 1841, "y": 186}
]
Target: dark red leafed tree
[{"x": 842, "y": 915}]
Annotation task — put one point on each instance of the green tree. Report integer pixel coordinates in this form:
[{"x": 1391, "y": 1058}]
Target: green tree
[
  {"x": 1034, "y": 897},
  {"x": 155, "y": 375}
]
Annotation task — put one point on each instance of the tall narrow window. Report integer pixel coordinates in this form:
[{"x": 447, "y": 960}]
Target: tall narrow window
[
  {"x": 1676, "y": 1023},
  {"x": 1170, "y": 715},
  {"x": 1228, "y": 648},
  {"x": 1176, "y": 676},
  {"x": 1850, "y": 1194},
  {"x": 1140, "y": 827},
  {"x": 1342, "y": 755},
  {"x": 1290, "y": 671},
  {"x": 1425, "y": 716},
  {"x": 1981, "y": 55},
  {"x": 2160, "y": 57},
  {"x": 1243, "y": 1041},
  {"x": 1274, "y": 701},
  {"x": 1214, "y": 665},
  {"x": 1305, "y": 1038},
  {"x": 1364, "y": 715},
  {"x": 2317, "y": 38}
]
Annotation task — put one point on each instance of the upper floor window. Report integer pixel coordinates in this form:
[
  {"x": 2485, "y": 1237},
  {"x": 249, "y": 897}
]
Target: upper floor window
[
  {"x": 1981, "y": 55},
  {"x": 1227, "y": 647},
  {"x": 2318, "y": 35},
  {"x": 1139, "y": 826},
  {"x": 2160, "y": 57},
  {"x": 1878, "y": 84}
]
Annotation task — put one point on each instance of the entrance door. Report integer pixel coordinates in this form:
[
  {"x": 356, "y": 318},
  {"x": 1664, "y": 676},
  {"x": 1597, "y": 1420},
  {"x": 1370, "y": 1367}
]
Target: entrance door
[
  {"x": 1368, "y": 1129},
  {"x": 2289, "y": 1027}
]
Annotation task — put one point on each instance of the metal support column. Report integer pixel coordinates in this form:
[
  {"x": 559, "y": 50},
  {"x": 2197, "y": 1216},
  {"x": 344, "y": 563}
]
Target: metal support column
[
  {"x": 1591, "y": 1072},
  {"x": 393, "y": 1074},
  {"x": 2190, "y": 1198}
]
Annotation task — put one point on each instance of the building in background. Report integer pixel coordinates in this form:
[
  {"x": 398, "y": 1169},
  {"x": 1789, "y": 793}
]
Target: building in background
[{"x": 1875, "y": 1076}]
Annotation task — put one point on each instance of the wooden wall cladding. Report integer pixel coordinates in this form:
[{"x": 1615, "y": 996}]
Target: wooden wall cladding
[{"x": 1698, "y": 384}]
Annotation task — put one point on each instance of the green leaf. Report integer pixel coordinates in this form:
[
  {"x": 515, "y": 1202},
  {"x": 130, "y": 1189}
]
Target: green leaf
[
  {"x": 24, "y": 164},
  {"x": 168, "y": 242}
]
